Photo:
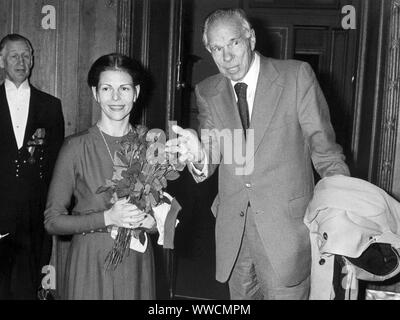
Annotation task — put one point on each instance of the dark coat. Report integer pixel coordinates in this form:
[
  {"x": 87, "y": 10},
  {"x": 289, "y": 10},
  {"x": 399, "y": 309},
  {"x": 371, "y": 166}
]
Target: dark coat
[{"x": 23, "y": 190}]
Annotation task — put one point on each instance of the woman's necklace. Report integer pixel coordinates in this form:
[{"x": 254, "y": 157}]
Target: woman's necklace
[{"x": 108, "y": 148}]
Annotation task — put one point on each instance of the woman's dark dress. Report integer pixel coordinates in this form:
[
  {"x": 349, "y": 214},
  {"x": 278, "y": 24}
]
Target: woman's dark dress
[{"x": 84, "y": 165}]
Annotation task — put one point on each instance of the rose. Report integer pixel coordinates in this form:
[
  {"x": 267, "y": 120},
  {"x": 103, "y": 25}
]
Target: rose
[{"x": 141, "y": 171}]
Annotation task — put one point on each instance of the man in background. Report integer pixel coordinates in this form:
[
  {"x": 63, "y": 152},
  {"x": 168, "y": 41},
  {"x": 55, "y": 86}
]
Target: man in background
[{"x": 31, "y": 134}]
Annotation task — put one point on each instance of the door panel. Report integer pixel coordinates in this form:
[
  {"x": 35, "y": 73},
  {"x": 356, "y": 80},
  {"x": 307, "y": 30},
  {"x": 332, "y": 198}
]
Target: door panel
[{"x": 277, "y": 43}]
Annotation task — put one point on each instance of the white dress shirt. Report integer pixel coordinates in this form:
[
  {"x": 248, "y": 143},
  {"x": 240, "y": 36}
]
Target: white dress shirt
[
  {"x": 18, "y": 102},
  {"x": 250, "y": 79}
]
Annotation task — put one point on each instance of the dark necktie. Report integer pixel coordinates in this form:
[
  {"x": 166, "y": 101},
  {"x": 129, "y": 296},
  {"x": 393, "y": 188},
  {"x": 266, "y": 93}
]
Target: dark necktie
[{"x": 240, "y": 89}]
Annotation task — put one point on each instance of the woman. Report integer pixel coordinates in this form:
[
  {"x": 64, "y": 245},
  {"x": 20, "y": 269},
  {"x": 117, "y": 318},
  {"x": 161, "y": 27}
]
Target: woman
[{"x": 85, "y": 162}]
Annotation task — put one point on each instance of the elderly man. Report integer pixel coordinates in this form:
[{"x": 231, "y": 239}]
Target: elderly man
[
  {"x": 262, "y": 244},
  {"x": 31, "y": 133}
]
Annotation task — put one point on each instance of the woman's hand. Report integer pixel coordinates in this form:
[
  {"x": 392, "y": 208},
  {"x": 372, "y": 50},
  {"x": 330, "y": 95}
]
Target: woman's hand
[{"x": 124, "y": 214}]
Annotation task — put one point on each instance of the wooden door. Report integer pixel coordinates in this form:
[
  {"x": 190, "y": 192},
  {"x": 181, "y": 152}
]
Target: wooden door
[
  {"x": 312, "y": 31},
  {"x": 157, "y": 41}
]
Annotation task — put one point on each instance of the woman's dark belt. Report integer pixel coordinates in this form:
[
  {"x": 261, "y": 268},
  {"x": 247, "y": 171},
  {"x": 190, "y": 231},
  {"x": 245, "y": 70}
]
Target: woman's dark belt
[{"x": 101, "y": 230}]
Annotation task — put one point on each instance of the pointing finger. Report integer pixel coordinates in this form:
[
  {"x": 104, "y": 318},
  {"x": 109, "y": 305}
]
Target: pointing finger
[{"x": 180, "y": 131}]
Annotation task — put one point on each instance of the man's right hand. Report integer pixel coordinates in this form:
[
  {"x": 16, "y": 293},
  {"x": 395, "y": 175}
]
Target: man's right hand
[{"x": 187, "y": 145}]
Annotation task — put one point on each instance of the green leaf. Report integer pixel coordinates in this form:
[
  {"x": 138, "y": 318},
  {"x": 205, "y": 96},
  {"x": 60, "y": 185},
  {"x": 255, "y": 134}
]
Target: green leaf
[
  {"x": 142, "y": 177},
  {"x": 135, "y": 168},
  {"x": 152, "y": 200},
  {"x": 165, "y": 200},
  {"x": 159, "y": 173},
  {"x": 146, "y": 169},
  {"x": 172, "y": 175},
  {"x": 108, "y": 186},
  {"x": 148, "y": 202},
  {"x": 180, "y": 166},
  {"x": 157, "y": 184},
  {"x": 110, "y": 183},
  {"x": 156, "y": 196},
  {"x": 121, "y": 184},
  {"x": 138, "y": 186},
  {"x": 120, "y": 160},
  {"x": 140, "y": 203},
  {"x": 102, "y": 189},
  {"x": 164, "y": 182},
  {"x": 123, "y": 192}
]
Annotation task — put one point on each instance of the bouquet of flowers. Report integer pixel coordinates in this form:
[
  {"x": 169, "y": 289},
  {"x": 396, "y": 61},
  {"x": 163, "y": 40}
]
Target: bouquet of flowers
[{"x": 141, "y": 172}]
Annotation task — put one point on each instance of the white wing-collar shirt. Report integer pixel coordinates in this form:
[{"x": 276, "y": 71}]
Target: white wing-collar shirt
[{"x": 18, "y": 103}]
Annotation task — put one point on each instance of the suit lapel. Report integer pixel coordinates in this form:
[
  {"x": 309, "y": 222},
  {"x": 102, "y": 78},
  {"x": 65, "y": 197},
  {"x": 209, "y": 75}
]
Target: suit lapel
[
  {"x": 5, "y": 119},
  {"x": 227, "y": 110},
  {"x": 268, "y": 93},
  {"x": 225, "y": 105},
  {"x": 31, "y": 122}
]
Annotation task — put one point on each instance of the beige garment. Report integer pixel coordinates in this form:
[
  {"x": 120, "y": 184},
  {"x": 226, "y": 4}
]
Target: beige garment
[{"x": 345, "y": 216}]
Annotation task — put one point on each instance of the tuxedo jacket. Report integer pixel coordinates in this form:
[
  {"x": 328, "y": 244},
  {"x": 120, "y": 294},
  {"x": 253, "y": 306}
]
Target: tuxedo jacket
[
  {"x": 21, "y": 180},
  {"x": 292, "y": 130}
]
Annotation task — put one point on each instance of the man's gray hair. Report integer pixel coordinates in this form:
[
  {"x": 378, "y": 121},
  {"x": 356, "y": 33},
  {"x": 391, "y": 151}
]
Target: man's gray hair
[
  {"x": 223, "y": 14},
  {"x": 14, "y": 37}
]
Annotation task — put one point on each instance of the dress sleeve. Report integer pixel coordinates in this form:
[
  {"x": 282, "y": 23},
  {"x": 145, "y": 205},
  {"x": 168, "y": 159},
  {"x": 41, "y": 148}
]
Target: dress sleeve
[{"x": 56, "y": 218}]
